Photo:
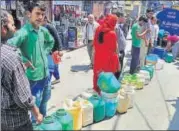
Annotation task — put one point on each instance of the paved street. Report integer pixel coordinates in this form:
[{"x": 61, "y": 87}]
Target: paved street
[{"x": 156, "y": 106}]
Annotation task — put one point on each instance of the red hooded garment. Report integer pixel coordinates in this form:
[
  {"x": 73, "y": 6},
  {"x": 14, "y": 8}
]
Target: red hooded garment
[{"x": 105, "y": 54}]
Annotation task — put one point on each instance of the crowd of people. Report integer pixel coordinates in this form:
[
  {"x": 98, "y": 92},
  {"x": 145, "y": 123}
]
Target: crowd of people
[{"x": 27, "y": 58}]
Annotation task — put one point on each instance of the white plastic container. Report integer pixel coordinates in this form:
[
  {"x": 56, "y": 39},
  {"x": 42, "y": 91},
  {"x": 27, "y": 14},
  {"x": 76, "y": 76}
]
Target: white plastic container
[
  {"x": 123, "y": 103},
  {"x": 109, "y": 95},
  {"x": 160, "y": 64},
  {"x": 88, "y": 93},
  {"x": 130, "y": 92},
  {"x": 146, "y": 75},
  {"x": 87, "y": 112}
]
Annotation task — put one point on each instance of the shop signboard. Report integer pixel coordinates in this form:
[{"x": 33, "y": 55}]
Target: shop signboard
[{"x": 169, "y": 20}]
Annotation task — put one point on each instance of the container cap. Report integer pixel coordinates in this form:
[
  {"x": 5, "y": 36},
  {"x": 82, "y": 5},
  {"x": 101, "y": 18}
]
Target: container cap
[
  {"x": 48, "y": 120},
  {"x": 61, "y": 112}
]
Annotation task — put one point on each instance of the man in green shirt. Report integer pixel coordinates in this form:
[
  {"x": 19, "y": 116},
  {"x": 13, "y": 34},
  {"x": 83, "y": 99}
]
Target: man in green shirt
[
  {"x": 136, "y": 43},
  {"x": 35, "y": 43}
]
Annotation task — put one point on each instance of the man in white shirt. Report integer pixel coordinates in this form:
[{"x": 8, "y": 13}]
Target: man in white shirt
[{"x": 89, "y": 32}]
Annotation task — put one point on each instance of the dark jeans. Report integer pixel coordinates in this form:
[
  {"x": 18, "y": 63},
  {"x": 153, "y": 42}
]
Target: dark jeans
[
  {"x": 121, "y": 58},
  {"x": 135, "y": 59}
]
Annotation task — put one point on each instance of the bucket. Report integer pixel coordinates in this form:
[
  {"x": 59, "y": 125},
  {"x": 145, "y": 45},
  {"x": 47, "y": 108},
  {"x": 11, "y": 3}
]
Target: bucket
[{"x": 169, "y": 58}]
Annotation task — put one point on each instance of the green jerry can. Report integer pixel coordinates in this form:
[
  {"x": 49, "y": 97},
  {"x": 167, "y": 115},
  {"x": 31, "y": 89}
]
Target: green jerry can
[
  {"x": 63, "y": 117},
  {"x": 108, "y": 83},
  {"x": 169, "y": 58},
  {"x": 150, "y": 69},
  {"x": 98, "y": 108},
  {"x": 50, "y": 123}
]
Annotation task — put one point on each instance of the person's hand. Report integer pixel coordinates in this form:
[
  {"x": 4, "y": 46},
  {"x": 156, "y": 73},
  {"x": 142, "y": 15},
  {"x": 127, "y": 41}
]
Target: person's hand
[
  {"x": 60, "y": 54},
  {"x": 39, "y": 118},
  {"x": 29, "y": 65}
]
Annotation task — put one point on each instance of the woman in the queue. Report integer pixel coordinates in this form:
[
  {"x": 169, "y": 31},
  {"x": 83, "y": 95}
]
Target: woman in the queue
[{"x": 105, "y": 50}]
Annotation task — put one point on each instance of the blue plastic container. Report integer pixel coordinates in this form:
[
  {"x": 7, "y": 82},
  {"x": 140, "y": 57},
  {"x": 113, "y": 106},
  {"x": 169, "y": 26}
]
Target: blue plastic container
[
  {"x": 159, "y": 51},
  {"x": 151, "y": 59},
  {"x": 108, "y": 83},
  {"x": 110, "y": 107}
]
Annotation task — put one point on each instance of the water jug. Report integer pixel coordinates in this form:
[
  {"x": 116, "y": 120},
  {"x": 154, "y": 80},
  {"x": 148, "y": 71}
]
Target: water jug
[
  {"x": 87, "y": 112},
  {"x": 50, "y": 123},
  {"x": 88, "y": 93},
  {"x": 36, "y": 128},
  {"x": 123, "y": 103},
  {"x": 99, "y": 108},
  {"x": 56, "y": 57},
  {"x": 110, "y": 106},
  {"x": 65, "y": 119},
  {"x": 150, "y": 69},
  {"x": 108, "y": 83},
  {"x": 159, "y": 65},
  {"x": 129, "y": 90},
  {"x": 76, "y": 111},
  {"x": 159, "y": 51},
  {"x": 169, "y": 57},
  {"x": 146, "y": 75},
  {"x": 109, "y": 95},
  {"x": 151, "y": 59}
]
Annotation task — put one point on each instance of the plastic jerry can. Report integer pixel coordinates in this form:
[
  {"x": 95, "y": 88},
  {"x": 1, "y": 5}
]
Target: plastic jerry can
[
  {"x": 151, "y": 59},
  {"x": 36, "y": 128},
  {"x": 159, "y": 65},
  {"x": 169, "y": 58},
  {"x": 88, "y": 93},
  {"x": 64, "y": 118},
  {"x": 50, "y": 123},
  {"x": 56, "y": 57},
  {"x": 110, "y": 106},
  {"x": 146, "y": 75},
  {"x": 159, "y": 51},
  {"x": 108, "y": 83},
  {"x": 140, "y": 84},
  {"x": 150, "y": 69},
  {"x": 76, "y": 111},
  {"x": 123, "y": 103},
  {"x": 129, "y": 90},
  {"x": 99, "y": 108},
  {"x": 87, "y": 112}
]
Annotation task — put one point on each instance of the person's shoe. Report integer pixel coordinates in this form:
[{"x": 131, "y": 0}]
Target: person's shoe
[{"x": 55, "y": 81}]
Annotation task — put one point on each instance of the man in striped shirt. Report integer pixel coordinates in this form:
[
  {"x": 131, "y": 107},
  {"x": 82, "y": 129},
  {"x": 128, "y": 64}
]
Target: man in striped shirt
[{"x": 16, "y": 97}]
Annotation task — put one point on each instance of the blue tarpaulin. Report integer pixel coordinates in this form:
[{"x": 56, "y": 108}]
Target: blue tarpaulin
[{"x": 169, "y": 20}]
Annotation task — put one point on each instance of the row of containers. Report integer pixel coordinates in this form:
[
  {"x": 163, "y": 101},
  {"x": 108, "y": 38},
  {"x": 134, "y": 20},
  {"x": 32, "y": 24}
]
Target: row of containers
[{"x": 116, "y": 97}]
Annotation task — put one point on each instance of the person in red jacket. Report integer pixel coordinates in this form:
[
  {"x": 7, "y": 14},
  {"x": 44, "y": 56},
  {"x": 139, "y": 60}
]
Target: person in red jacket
[
  {"x": 101, "y": 19},
  {"x": 105, "y": 50}
]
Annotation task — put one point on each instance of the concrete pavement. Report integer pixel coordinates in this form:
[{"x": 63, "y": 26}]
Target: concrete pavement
[{"x": 156, "y": 106}]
